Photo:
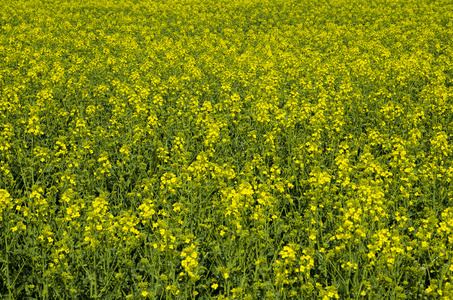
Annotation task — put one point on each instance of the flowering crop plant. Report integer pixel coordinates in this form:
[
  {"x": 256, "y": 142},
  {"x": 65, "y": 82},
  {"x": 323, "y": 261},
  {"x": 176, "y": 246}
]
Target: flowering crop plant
[{"x": 213, "y": 149}]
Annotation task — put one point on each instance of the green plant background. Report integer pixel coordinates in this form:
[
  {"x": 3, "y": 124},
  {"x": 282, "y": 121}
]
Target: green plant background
[{"x": 199, "y": 149}]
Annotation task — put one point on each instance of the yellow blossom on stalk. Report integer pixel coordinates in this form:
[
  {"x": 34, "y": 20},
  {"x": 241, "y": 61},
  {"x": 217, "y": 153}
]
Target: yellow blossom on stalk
[
  {"x": 146, "y": 210},
  {"x": 329, "y": 292},
  {"x": 5, "y": 202},
  {"x": 288, "y": 253},
  {"x": 190, "y": 264}
]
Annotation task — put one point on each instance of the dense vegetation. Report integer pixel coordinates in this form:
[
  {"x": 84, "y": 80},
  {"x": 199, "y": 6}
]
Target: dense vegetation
[{"x": 201, "y": 149}]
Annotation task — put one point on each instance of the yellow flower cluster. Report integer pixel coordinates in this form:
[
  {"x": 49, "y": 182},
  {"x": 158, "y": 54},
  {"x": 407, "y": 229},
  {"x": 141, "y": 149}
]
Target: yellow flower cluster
[{"x": 190, "y": 263}]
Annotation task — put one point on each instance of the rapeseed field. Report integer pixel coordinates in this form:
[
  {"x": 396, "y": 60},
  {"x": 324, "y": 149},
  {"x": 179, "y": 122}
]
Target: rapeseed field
[{"x": 212, "y": 149}]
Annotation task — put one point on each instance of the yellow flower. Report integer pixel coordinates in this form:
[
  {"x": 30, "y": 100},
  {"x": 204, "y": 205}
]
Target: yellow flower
[{"x": 215, "y": 286}]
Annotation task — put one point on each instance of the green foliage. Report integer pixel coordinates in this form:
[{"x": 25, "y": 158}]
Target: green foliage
[{"x": 200, "y": 149}]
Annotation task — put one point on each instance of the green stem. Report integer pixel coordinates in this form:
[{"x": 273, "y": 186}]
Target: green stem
[{"x": 7, "y": 270}]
